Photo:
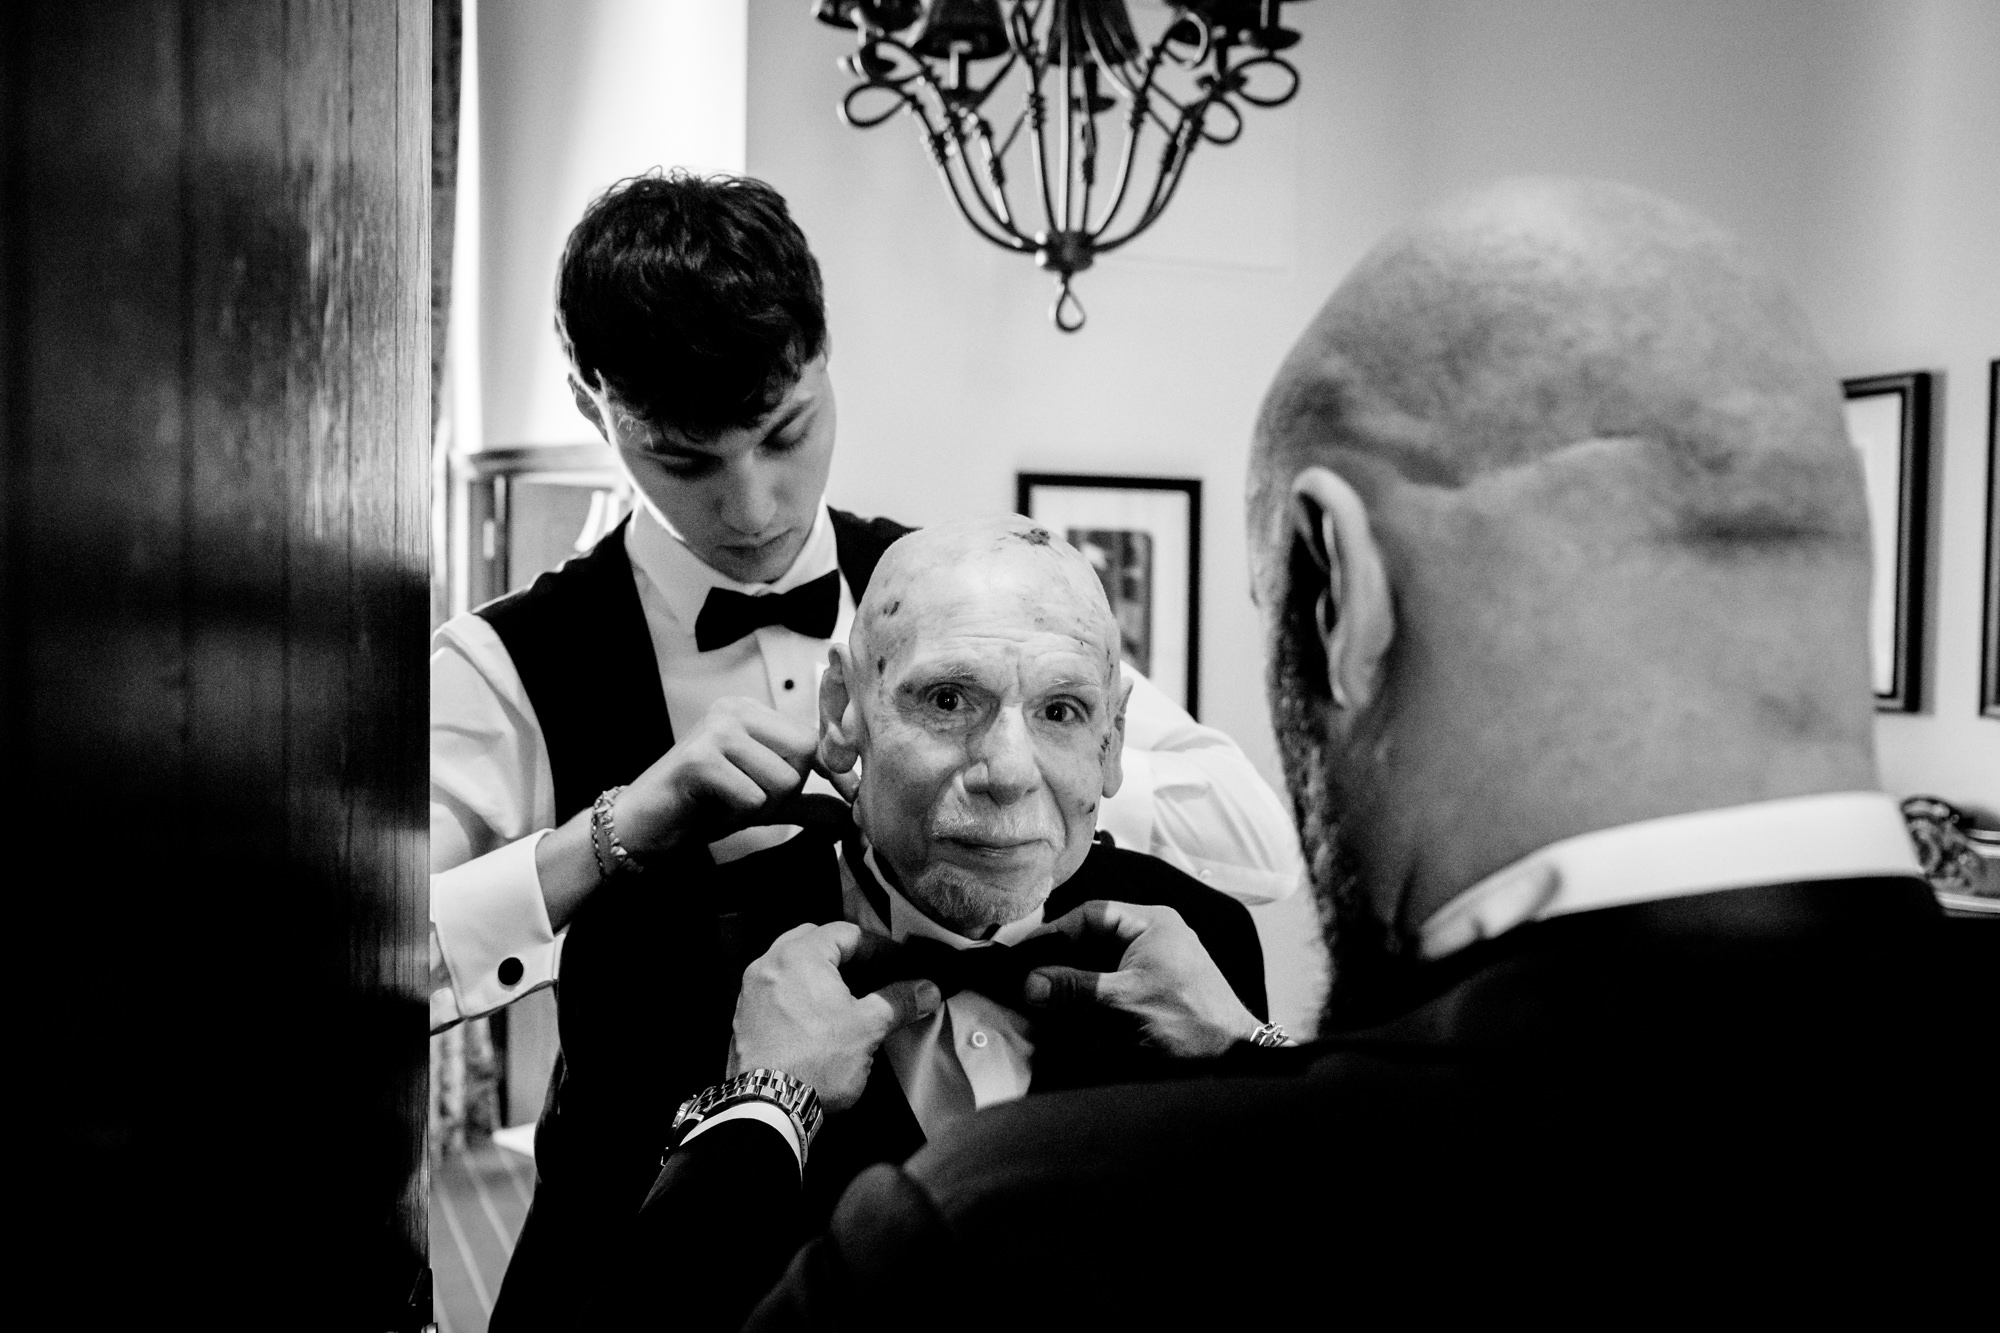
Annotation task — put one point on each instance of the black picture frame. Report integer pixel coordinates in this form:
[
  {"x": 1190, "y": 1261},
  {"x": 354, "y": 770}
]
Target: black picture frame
[
  {"x": 1989, "y": 658},
  {"x": 1152, "y": 527},
  {"x": 1889, "y": 423}
]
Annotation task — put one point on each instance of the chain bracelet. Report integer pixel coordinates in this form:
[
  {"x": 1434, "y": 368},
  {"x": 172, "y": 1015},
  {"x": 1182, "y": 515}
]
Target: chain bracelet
[{"x": 612, "y": 857}]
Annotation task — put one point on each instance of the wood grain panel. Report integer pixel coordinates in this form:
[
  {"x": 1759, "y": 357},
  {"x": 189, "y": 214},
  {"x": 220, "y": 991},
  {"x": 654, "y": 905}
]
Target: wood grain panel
[{"x": 215, "y": 332}]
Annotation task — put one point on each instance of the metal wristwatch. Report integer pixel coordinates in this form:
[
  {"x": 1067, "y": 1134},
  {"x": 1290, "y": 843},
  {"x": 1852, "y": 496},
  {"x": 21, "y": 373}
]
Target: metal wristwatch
[{"x": 795, "y": 1098}]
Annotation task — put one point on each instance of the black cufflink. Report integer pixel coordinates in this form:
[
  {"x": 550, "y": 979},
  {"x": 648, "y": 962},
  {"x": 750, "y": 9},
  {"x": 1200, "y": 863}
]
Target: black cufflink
[{"x": 510, "y": 971}]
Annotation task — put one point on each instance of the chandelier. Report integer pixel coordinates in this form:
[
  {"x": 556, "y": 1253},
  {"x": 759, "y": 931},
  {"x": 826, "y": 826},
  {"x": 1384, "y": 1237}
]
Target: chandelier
[{"x": 1080, "y": 68}]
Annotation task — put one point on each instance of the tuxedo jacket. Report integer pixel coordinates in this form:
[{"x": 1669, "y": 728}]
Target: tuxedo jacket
[
  {"x": 649, "y": 989},
  {"x": 1717, "y": 1108}
]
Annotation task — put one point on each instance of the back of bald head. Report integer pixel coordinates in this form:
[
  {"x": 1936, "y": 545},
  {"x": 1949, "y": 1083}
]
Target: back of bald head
[
  {"x": 1535, "y": 315},
  {"x": 1052, "y": 584}
]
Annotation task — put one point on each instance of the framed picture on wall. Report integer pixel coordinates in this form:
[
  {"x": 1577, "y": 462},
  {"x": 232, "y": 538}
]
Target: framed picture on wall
[
  {"x": 1143, "y": 536},
  {"x": 1989, "y": 668},
  {"x": 1889, "y": 422}
]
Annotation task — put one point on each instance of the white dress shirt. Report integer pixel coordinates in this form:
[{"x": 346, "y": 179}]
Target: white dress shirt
[
  {"x": 1801, "y": 839},
  {"x": 1190, "y": 796}
]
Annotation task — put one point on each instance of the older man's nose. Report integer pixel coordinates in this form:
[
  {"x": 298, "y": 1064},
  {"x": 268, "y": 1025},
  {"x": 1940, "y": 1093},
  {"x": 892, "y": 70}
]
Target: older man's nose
[{"x": 1004, "y": 767}]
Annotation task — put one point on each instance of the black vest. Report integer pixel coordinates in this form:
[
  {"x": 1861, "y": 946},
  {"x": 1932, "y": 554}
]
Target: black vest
[{"x": 579, "y": 641}]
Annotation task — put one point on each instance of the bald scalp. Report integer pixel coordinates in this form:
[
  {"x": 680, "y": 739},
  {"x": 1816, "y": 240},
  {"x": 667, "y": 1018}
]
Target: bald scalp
[
  {"x": 1537, "y": 315},
  {"x": 928, "y": 569}
]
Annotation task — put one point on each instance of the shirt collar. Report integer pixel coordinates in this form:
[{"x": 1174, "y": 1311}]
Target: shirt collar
[
  {"x": 684, "y": 579},
  {"x": 905, "y": 920},
  {"x": 1841, "y": 835}
]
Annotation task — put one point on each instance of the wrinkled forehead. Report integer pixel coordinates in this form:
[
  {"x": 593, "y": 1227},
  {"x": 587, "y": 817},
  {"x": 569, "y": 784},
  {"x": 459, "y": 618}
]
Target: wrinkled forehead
[{"x": 994, "y": 580}]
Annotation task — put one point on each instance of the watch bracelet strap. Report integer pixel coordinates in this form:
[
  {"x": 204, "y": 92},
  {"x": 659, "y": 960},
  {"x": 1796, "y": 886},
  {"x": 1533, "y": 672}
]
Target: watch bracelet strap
[
  {"x": 795, "y": 1098},
  {"x": 1270, "y": 1034}
]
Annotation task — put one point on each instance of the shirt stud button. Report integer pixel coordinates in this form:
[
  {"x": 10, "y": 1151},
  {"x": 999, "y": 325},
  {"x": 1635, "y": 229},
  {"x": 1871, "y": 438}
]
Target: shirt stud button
[
  {"x": 978, "y": 1040},
  {"x": 510, "y": 971},
  {"x": 789, "y": 684}
]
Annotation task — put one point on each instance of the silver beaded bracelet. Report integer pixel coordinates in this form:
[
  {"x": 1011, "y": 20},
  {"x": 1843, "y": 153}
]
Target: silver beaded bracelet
[{"x": 612, "y": 857}]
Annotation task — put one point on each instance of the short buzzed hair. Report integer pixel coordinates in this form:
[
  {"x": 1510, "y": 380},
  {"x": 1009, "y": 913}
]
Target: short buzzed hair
[{"x": 693, "y": 299}]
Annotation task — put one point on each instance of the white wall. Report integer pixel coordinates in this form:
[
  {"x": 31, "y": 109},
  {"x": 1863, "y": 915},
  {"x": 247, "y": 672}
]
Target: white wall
[{"x": 574, "y": 95}]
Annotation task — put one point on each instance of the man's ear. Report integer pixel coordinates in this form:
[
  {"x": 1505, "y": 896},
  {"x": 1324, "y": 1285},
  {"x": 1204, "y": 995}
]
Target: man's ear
[
  {"x": 588, "y": 406},
  {"x": 1112, "y": 760},
  {"x": 1355, "y": 606},
  {"x": 839, "y": 714}
]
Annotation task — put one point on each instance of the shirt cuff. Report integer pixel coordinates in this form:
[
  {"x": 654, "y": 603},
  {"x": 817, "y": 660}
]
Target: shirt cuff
[
  {"x": 493, "y": 928},
  {"x": 765, "y": 1113}
]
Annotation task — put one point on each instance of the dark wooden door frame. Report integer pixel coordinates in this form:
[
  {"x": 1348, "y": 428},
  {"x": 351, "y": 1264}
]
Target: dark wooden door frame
[{"x": 215, "y": 334}]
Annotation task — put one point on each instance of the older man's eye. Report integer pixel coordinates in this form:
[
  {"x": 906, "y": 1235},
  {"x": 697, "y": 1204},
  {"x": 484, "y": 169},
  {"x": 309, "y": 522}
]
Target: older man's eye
[
  {"x": 947, "y": 699},
  {"x": 1062, "y": 711}
]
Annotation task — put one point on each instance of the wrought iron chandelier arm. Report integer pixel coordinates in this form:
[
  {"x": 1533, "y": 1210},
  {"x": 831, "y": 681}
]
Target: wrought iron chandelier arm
[
  {"x": 1142, "y": 92},
  {"x": 976, "y": 96},
  {"x": 1021, "y": 19},
  {"x": 1089, "y": 171},
  {"x": 1268, "y": 100},
  {"x": 1002, "y": 232},
  {"x": 1065, "y": 112},
  {"x": 1038, "y": 148},
  {"x": 991, "y": 193},
  {"x": 1173, "y": 162},
  {"x": 861, "y": 121},
  {"x": 1007, "y": 238},
  {"x": 1127, "y": 157},
  {"x": 1192, "y": 127},
  {"x": 1167, "y": 127},
  {"x": 1000, "y": 207}
]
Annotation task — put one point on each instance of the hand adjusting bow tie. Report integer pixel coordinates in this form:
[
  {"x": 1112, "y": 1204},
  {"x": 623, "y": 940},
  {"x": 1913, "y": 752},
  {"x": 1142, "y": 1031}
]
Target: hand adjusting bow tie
[{"x": 809, "y": 609}]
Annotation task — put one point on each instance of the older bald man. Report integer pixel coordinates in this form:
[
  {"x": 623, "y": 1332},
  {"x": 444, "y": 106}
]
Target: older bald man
[
  {"x": 1639, "y": 1005},
  {"x": 980, "y": 699}
]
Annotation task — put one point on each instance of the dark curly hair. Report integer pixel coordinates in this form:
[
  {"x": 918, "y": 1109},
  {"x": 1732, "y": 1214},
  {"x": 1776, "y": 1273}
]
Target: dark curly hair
[{"x": 693, "y": 299}]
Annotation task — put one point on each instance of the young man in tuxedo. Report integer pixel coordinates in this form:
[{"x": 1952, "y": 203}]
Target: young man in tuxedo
[
  {"x": 786, "y": 1019},
  {"x": 1641, "y": 1007},
  {"x": 672, "y": 671}
]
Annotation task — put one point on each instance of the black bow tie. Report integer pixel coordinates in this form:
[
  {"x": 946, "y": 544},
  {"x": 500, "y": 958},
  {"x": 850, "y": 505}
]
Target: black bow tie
[
  {"x": 809, "y": 609},
  {"x": 993, "y": 970}
]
